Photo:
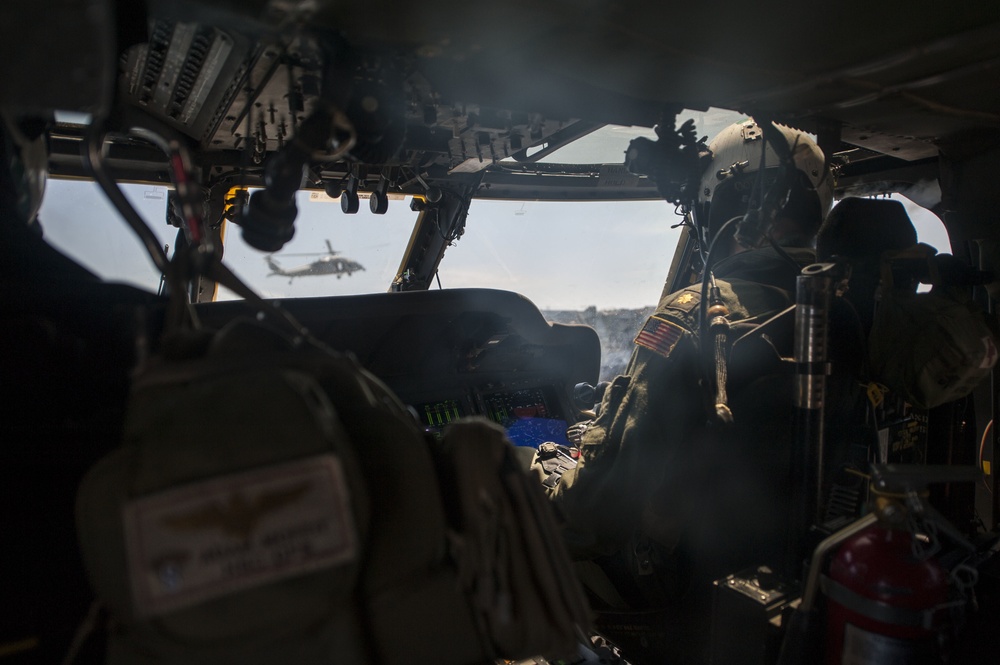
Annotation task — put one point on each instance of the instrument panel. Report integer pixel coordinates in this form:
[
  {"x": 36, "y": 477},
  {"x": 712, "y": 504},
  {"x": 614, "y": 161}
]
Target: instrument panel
[
  {"x": 454, "y": 353},
  {"x": 531, "y": 416}
]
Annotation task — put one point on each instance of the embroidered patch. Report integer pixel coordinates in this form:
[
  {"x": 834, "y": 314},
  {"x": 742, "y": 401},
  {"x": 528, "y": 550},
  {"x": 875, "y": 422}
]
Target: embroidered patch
[
  {"x": 659, "y": 335},
  {"x": 215, "y": 537}
]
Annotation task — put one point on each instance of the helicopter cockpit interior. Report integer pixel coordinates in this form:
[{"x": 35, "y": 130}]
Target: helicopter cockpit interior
[{"x": 239, "y": 114}]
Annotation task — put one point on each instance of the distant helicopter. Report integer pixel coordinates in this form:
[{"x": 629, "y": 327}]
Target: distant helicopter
[{"x": 332, "y": 264}]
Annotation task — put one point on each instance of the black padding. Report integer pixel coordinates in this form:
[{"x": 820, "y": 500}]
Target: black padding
[{"x": 864, "y": 228}]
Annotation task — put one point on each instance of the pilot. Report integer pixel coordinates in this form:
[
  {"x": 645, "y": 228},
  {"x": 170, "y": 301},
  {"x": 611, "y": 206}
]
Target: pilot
[
  {"x": 666, "y": 496},
  {"x": 23, "y": 172}
]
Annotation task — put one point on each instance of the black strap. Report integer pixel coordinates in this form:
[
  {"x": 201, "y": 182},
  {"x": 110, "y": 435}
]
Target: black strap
[{"x": 928, "y": 619}]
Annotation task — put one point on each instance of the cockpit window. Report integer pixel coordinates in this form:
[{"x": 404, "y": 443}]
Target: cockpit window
[
  {"x": 566, "y": 255},
  {"x": 77, "y": 219},
  {"x": 331, "y": 254},
  {"x": 930, "y": 228},
  {"x": 607, "y": 145},
  {"x": 600, "y": 263}
]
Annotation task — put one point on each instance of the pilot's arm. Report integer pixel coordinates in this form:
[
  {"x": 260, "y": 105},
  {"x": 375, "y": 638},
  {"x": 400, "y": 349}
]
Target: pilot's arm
[{"x": 634, "y": 446}]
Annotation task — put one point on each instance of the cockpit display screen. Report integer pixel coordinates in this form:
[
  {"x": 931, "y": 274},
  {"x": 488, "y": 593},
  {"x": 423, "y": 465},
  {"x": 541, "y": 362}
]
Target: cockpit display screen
[
  {"x": 437, "y": 415},
  {"x": 525, "y": 415}
]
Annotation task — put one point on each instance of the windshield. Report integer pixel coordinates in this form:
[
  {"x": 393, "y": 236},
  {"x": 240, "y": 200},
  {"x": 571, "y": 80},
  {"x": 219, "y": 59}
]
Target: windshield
[
  {"x": 607, "y": 145},
  {"x": 331, "y": 254},
  {"x": 566, "y": 255},
  {"x": 78, "y": 220},
  {"x": 598, "y": 263}
]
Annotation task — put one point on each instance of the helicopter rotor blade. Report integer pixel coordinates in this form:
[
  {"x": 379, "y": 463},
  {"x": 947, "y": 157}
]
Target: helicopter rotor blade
[{"x": 331, "y": 251}]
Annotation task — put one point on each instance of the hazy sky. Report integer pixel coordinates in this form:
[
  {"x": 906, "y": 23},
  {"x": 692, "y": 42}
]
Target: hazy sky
[{"x": 561, "y": 255}]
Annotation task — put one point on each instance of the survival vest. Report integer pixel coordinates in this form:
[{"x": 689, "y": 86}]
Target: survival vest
[{"x": 276, "y": 503}]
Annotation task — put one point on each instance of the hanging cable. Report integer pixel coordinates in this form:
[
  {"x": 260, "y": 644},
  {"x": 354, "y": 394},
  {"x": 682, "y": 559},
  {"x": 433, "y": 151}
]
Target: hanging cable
[
  {"x": 93, "y": 157},
  {"x": 179, "y": 161},
  {"x": 713, "y": 332},
  {"x": 753, "y": 227},
  {"x": 707, "y": 275},
  {"x": 695, "y": 224},
  {"x": 179, "y": 309},
  {"x": 159, "y": 289}
]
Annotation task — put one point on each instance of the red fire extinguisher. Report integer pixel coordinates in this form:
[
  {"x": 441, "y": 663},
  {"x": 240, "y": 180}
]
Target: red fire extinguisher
[
  {"x": 888, "y": 600},
  {"x": 883, "y": 602}
]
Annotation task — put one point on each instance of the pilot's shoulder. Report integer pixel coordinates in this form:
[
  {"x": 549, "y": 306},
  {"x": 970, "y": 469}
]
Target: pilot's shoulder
[
  {"x": 682, "y": 306},
  {"x": 675, "y": 318}
]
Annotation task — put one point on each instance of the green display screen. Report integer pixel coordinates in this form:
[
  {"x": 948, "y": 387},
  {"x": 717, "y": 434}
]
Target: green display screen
[{"x": 437, "y": 415}]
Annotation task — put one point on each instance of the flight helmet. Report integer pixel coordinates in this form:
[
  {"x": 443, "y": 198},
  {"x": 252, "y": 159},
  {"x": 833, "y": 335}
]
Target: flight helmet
[{"x": 730, "y": 184}]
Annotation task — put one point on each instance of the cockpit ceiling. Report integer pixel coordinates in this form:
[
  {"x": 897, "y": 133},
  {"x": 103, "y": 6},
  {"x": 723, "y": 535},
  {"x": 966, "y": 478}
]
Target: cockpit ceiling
[
  {"x": 889, "y": 68},
  {"x": 459, "y": 85}
]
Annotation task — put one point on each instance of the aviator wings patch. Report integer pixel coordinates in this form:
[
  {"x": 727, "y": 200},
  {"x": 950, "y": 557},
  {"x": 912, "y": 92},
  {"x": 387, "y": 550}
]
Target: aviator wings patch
[
  {"x": 238, "y": 516},
  {"x": 659, "y": 335}
]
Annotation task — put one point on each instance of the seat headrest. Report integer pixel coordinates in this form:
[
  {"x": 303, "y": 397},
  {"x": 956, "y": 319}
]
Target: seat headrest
[{"x": 862, "y": 229}]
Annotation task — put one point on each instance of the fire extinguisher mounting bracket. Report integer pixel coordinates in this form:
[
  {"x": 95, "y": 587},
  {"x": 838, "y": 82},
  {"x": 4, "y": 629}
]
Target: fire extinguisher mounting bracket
[
  {"x": 931, "y": 618},
  {"x": 903, "y": 478}
]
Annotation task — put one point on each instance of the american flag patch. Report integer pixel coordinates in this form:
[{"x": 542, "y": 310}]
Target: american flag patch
[{"x": 659, "y": 335}]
